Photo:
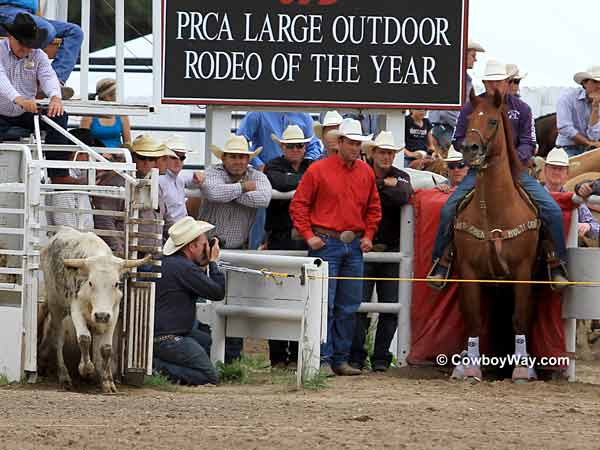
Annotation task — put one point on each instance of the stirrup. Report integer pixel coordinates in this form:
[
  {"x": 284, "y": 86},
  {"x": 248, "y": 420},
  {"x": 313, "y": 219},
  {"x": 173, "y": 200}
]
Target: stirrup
[
  {"x": 435, "y": 282},
  {"x": 562, "y": 276}
]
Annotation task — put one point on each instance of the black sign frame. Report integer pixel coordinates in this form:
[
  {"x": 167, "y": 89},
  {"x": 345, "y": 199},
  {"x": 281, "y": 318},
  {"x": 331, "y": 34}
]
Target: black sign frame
[{"x": 303, "y": 103}]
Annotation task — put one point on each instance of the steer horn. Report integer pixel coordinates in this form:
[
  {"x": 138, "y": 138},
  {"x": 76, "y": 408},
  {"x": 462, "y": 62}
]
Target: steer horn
[
  {"x": 75, "y": 263},
  {"x": 131, "y": 263}
]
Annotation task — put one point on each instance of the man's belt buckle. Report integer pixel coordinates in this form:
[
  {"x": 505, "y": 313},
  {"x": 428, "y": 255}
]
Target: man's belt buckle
[{"x": 347, "y": 236}]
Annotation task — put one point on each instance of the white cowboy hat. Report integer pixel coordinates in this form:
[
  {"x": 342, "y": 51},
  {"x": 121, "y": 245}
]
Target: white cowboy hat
[
  {"x": 184, "y": 231},
  {"x": 514, "y": 72},
  {"x": 293, "y": 134},
  {"x": 385, "y": 141},
  {"x": 495, "y": 71},
  {"x": 593, "y": 73},
  {"x": 453, "y": 155},
  {"x": 176, "y": 143},
  {"x": 235, "y": 144},
  {"x": 145, "y": 145},
  {"x": 351, "y": 129},
  {"x": 473, "y": 45},
  {"x": 331, "y": 119},
  {"x": 557, "y": 157}
]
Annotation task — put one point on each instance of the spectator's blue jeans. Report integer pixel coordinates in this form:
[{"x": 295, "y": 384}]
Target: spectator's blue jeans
[
  {"x": 443, "y": 133},
  {"x": 186, "y": 358},
  {"x": 344, "y": 297},
  {"x": 550, "y": 213},
  {"x": 257, "y": 231},
  {"x": 71, "y": 34}
]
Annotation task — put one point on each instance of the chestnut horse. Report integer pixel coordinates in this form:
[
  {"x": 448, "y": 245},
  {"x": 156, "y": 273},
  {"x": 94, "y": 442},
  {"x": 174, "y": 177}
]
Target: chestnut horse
[{"x": 496, "y": 234}]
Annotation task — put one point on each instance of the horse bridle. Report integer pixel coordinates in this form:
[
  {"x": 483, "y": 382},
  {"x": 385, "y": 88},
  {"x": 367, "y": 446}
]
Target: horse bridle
[{"x": 482, "y": 163}]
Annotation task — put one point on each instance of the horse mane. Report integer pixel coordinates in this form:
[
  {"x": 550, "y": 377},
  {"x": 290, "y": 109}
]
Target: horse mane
[{"x": 513, "y": 160}]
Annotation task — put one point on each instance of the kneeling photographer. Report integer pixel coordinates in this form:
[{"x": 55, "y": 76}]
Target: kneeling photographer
[{"x": 189, "y": 271}]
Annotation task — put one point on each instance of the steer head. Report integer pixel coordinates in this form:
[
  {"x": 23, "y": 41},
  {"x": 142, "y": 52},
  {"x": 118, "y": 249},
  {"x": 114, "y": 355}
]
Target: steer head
[{"x": 99, "y": 290}]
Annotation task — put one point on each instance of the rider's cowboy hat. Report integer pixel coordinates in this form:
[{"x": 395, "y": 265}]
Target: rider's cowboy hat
[
  {"x": 145, "y": 145},
  {"x": 331, "y": 119},
  {"x": 474, "y": 45},
  {"x": 351, "y": 129},
  {"x": 514, "y": 72},
  {"x": 184, "y": 231},
  {"x": 235, "y": 144},
  {"x": 385, "y": 141},
  {"x": 293, "y": 134},
  {"x": 453, "y": 155},
  {"x": 557, "y": 157},
  {"x": 593, "y": 73},
  {"x": 24, "y": 30},
  {"x": 176, "y": 143},
  {"x": 495, "y": 71}
]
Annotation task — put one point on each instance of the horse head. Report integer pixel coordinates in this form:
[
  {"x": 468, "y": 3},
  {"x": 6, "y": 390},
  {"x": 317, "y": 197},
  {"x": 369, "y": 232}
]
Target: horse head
[{"x": 483, "y": 125}]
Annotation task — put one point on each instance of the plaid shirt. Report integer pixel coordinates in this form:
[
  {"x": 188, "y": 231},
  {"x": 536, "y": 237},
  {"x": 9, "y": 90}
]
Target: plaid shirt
[
  {"x": 19, "y": 77},
  {"x": 230, "y": 210}
]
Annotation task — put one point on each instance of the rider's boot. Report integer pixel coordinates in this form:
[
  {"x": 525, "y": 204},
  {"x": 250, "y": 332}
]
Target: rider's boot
[
  {"x": 557, "y": 272},
  {"x": 440, "y": 271}
]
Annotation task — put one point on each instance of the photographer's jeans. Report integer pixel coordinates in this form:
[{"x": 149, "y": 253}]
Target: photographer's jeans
[
  {"x": 344, "y": 297},
  {"x": 186, "y": 359}
]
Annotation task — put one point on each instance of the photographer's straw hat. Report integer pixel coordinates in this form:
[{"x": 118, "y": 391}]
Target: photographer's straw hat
[
  {"x": 593, "y": 73},
  {"x": 351, "y": 129},
  {"x": 495, "y": 71},
  {"x": 145, "y": 145},
  {"x": 385, "y": 141},
  {"x": 235, "y": 144},
  {"x": 176, "y": 143},
  {"x": 331, "y": 119},
  {"x": 291, "y": 135},
  {"x": 184, "y": 231},
  {"x": 557, "y": 157}
]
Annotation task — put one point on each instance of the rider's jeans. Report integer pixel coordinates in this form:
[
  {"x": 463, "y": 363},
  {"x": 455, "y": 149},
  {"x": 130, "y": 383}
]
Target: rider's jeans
[{"x": 550, "y": 213}]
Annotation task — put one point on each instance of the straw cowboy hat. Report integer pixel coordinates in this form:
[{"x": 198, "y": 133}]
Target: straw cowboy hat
[
  {"x": 145, "y": 145},
  {"x": 453, "y": 155},
  {"x": 176, "y": 143},
  {"x": 24, "y": 30},
  {"x": 495, "y": 71},
  {"x": 293, "y": 134},
  {"x": 184, "y": 231},
  {"x": 385, "y": 141},
  {"x": 473, "y": 45},
  {"x": 514, "y": 72},
  {"x": 557, "y": 157},
  {"x": 235, "y": 144},
  {"x": 351, "y": 129},
  {"x": 331, "y": 119},
  {"x": 593, "y": 73}
]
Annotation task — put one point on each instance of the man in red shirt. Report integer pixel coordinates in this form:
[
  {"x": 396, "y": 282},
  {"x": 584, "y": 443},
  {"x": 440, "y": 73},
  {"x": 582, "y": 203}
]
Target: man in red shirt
[{"x": 337, "y": 209}]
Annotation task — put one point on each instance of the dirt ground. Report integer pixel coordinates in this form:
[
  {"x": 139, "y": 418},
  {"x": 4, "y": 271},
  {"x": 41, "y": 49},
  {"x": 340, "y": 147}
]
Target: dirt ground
[{"x": 412, "y": 409}]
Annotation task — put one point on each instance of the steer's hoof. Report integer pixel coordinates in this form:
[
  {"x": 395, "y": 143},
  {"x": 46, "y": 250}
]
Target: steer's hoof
[
  {"x": 523, "y": 374},
  {"x": 87, "y": 370},
  {"x": 108, "y": 387}
]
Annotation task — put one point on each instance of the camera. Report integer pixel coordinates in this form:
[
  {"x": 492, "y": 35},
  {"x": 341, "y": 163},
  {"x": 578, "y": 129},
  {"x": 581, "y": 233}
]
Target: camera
[{"x": 212, "y": 242}]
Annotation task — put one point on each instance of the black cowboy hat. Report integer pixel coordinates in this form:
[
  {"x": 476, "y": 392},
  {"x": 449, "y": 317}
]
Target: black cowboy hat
[{"x": 24, "y": 30}]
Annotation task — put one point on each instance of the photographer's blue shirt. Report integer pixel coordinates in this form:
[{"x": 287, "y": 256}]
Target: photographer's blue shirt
[{"x": 181, "y": 284}]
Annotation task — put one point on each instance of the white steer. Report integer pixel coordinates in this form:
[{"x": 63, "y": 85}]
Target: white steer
[{"x": 82, "y": 279}]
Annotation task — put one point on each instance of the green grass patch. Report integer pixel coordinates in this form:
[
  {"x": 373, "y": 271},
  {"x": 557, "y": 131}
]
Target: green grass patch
[
  {"x": 4, "y": 381},
  {"x": 317, "y": 382},
  {"x": 159, "y": 382}
]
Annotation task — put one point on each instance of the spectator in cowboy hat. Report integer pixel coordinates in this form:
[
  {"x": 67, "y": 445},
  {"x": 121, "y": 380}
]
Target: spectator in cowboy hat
[
  {"x": 189, "y": 271},
  {"x": 444, "y": 122},
  {"x": 233, "y": 193},
  {"x": 514, "y": 82},
  {"x": 337, "y": 209},
  {"x": 457, "y": 171},
  {"x": 172, "y": 184},
  {"x": 395, "y": 190},
  {"x": 577, "y": 114},
  {"x": 556, "y": 174},
  {"x": 71, "y": 36},
  {"x": 331, "y": 121},
  {"x": 284, "y": 174}
]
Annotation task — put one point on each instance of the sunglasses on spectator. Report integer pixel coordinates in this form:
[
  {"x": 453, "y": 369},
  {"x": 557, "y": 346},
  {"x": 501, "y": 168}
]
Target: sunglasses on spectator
[
  {"x": 459, "y": 165},
  {"x": 514, "y": 81},
  {"x": 293, "y": 146}
]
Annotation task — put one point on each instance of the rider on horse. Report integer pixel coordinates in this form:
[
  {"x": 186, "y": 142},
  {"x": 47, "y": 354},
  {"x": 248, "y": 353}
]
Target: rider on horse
[{"x": 496, "y": 79}]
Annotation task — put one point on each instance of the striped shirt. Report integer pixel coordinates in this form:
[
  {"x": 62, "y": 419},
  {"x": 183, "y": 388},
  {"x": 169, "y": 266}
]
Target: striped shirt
[
  {"x": 230, "y": 210},
  {"x": 19, "y": 77}
]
